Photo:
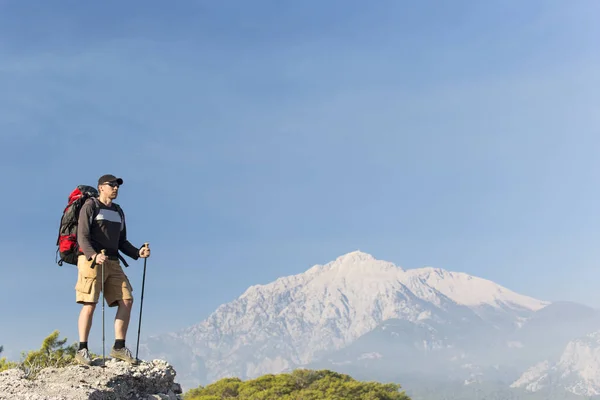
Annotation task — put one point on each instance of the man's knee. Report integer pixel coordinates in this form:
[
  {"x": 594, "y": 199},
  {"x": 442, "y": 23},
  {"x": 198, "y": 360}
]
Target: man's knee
[
  {"x": 127, "y": 303},
  {"x": 88, "y": 308}
]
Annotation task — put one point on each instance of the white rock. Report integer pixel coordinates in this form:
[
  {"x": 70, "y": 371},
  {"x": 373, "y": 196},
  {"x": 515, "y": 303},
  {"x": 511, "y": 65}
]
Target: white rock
[{"x": 115, "y": 381}]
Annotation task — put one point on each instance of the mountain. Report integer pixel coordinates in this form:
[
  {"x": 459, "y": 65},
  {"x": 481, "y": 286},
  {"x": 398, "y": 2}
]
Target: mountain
[
  {"x": 549, "y": 330},
  {"x": 357, "y": 311},
  {"x": 464, "y": 370},
  {"x": 577, "y": 370},
  {"x": 434, "y": 331}
]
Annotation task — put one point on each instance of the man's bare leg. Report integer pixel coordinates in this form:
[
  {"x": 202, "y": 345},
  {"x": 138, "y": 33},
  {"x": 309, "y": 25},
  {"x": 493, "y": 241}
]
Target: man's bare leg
[
  {"x": 85, "y": 321},
  {"x": 122, "y": 318},
  {"x": 84, "y": 325},
  {"x": 121, "y": 326}
]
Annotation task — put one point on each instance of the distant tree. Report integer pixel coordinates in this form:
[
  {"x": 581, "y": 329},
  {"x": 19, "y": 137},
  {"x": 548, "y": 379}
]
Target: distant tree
[{"x": 301, "y": 384}]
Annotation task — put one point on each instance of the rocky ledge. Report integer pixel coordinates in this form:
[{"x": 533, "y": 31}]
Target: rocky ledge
[{"x": 115, "y": 380}]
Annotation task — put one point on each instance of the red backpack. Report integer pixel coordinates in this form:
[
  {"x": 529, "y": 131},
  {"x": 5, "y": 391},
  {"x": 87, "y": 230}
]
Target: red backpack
[{"x": 68, "y": 249}]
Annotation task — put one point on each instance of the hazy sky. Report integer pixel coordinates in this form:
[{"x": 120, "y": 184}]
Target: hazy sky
[{"x": 257, "y": 139}]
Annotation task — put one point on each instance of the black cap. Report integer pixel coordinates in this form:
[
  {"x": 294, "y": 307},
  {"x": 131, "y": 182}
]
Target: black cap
[{"x": 109, "y": 178}]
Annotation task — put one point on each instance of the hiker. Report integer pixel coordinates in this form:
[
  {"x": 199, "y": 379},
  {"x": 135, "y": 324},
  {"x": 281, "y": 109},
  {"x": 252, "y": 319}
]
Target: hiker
[{"x": 101, "y": 226}]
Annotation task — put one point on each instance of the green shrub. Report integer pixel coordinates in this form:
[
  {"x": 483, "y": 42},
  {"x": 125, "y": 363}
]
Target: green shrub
[
  {"x": 53, "y": 353},
  {"x": 4, "y": 363},
  {"x": 301, "y": 384}
]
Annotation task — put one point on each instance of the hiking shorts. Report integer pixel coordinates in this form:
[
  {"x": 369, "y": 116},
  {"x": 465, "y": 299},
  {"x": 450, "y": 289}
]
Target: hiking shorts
[{"x": 89, "y": 282}]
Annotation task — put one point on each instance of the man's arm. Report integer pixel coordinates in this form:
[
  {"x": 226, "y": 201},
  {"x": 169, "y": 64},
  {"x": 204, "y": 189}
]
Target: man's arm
[
  {"x": 124, "y": 245},
  {"x": 84, "y": 228}
]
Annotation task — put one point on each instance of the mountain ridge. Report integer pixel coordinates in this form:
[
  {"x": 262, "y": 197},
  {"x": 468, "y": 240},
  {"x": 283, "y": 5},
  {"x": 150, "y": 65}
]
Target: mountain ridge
[
  {"x": 298, "y": 319},
  {"x": 577, "y": 369},
  {"x": 356, "y": 262}
]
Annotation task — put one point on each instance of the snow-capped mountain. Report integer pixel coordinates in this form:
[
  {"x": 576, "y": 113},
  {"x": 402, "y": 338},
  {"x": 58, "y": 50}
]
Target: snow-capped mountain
[
  {"x": 577, "y": 370},
  {"x": 301, "y": 319}
]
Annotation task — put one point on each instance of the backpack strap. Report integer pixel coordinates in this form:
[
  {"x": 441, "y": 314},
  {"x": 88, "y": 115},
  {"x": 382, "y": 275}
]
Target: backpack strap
[
  {"x": 95, "y": 209},
  {"x": 122, "y": 214},
  {"x": 123, "y": 260}
]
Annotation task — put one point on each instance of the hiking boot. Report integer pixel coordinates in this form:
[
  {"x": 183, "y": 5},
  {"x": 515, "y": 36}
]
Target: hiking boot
[
  {"x": 83, "y": 357},
  {"x": 123, "y": 354}
]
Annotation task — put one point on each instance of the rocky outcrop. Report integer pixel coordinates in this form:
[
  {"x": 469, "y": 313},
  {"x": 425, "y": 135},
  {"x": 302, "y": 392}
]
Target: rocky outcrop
[{"x": 115, "y": 380}]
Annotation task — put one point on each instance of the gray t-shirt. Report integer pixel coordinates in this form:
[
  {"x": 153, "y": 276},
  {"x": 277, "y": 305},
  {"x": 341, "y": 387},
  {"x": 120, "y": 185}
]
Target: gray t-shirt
[{"x": 107, "y": 230}]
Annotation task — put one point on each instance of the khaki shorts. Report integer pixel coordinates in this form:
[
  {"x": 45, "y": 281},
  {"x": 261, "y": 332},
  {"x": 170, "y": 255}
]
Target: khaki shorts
[{"x": 89, "y": 282}]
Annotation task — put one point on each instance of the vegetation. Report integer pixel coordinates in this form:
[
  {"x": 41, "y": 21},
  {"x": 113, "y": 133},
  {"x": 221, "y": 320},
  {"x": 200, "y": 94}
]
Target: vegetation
[
  {"x": 53, "y": 353},
  {"x": 301, "y": 384},
  {"x": 4, "y": 363}
]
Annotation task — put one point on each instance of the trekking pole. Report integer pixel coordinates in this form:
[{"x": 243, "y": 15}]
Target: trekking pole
[
  {"x": 103, "y": 357},
  {"x": 137, "y": 347}
]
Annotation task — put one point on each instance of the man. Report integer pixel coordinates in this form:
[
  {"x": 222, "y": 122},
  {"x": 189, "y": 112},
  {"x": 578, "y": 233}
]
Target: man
[{"x": 102, "y": 226}]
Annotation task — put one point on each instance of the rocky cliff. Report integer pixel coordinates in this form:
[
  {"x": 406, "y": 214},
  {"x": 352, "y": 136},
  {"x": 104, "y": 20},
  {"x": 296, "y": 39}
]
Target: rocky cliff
[{"x": 114, "y": 380}]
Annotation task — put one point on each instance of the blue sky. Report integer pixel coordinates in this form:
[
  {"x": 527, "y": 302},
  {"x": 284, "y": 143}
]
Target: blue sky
[{"x": 258, "y": 140}]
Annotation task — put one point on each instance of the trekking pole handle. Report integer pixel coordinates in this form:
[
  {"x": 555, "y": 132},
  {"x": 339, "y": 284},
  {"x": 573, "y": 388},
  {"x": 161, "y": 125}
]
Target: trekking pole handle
[{"x": 94, "y": 261}]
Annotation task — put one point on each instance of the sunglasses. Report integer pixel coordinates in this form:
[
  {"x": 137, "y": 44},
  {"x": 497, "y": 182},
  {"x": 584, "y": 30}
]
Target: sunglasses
[{"x": 112, "y": 184}]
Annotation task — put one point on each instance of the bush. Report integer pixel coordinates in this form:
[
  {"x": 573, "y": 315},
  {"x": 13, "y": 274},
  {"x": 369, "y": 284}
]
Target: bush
[
  {"x": 53, "y": 353},
  {"x": 4, "y": 363},
  {"x": 300, "y": 384}
]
